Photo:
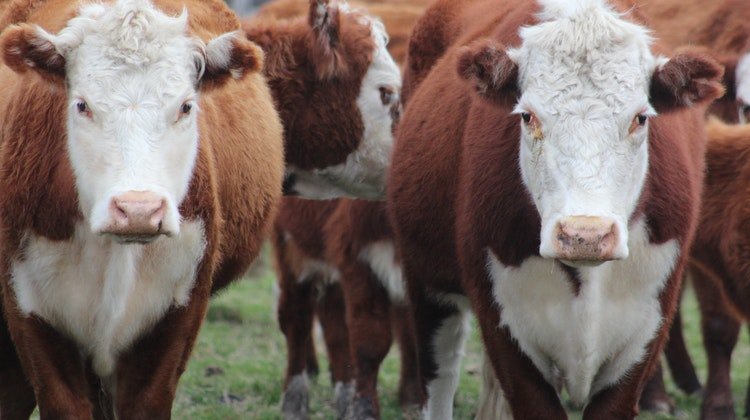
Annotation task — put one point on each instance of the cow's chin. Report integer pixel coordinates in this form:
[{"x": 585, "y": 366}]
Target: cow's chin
[
  {"x": 136, "y": 239},
  {"x": 582, "y": 263}
]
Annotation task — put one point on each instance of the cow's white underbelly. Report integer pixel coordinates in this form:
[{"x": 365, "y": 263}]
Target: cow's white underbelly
[
  {"x": 589, "y": 341},
  {"x": 103, "y": 294}
]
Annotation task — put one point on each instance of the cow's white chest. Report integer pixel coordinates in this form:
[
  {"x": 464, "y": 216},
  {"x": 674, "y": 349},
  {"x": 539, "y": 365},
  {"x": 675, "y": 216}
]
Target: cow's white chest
[
  {"x": 589, "y": 341},
  {"x": 103, "y": 294}
]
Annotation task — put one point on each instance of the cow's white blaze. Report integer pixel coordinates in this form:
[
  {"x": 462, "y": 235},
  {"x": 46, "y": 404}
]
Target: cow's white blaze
[
  {"x": 363, "y": 173},
  {"x": 132, "y": 74},
  {"x": 584, "y": 77},
  {"x": 742, "y": 80}
]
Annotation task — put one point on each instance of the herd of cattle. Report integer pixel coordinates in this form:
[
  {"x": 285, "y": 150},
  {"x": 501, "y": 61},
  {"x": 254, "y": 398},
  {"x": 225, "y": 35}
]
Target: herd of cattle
[{"x": 555, "y": 167}]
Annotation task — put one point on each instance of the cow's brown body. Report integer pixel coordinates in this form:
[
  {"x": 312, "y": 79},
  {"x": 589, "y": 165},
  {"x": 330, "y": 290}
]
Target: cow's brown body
[
  {"x": 234, "y": 191},
  {"x": 454, "y": 192},
  {"x": 719, "y": 260}
]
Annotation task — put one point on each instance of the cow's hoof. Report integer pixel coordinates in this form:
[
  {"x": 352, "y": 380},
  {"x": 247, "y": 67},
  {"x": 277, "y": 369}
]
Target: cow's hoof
[
  {"x": 295, "y": 402},
  {"x": 342, "y": 396},
  {"x": 409, "y": 396},
  {"x": 361, "y": 408},
  {"x": 659, "y": 403},
  {"x": 718, "y": 412}
]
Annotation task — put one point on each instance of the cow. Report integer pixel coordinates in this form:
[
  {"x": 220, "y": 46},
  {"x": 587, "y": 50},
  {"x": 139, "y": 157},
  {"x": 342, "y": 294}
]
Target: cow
[
  {"x": 310, "y": 278},
  {"x": 336, "y": 88},
  {"x": 723, "y": 28},
  {"x": 546, "y": 175},
  {"x": 142, "y": 162},
  {"x": 719, "y": 261}
]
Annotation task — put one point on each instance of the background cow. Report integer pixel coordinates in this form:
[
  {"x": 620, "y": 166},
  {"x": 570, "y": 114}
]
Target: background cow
[
  {"x": 141, "y": 163},
  {"x": 719, "y": 260},
  {"x": 538, "y": 186},
  {"x": 311, "y": 281}
]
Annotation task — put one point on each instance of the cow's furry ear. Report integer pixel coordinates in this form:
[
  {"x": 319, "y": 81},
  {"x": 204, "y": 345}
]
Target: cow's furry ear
[
  {"x": 228, "y": 55},
  {"x": 29, "y": 48},
  {"x": 687, "y": 79},
  {"x": 324, "y": 44},
  {"x": 487, "y": 66}
]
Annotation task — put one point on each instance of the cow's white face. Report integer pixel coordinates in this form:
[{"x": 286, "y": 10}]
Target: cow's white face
[
  {"x": 584, "y": 83},
  {"x": 132, "y": 113},
  {"x": 742, "y": 81},
  {"x": 132, "y": 76}
]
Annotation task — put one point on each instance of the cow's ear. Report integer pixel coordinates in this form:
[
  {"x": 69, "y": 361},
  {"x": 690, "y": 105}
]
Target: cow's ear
[
  {"x": 487, "y": 66},
  {"x": 324, "y": 42},
  {"x": 30, "y": 48},
  {"x": 230, "y": 55},
  {"x": 687, "y": 79}
]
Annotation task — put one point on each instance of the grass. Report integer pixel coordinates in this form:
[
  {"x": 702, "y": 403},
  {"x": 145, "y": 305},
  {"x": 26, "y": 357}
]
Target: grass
[{"x": 238, "y": 363}]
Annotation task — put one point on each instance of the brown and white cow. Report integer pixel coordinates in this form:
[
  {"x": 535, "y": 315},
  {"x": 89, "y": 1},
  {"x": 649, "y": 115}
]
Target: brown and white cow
[
  {"x": 723, "y": 28},
  {"x": 547, "y": 175},
  {"x": 306, "y": 272},
  {"x": 142, "y": 160},
  {"x": 336, "y": 88},
  {"x": 719, "y": 260}
]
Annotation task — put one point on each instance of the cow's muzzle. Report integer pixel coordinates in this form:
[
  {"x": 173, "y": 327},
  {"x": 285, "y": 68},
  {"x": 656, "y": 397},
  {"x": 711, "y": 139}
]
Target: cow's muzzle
[
  {"x": 587, "y": 240},
  {"x": 136, "y": 217}
]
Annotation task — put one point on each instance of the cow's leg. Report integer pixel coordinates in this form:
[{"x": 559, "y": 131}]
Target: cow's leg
[
  {"x": 654, "y": 396},
  {"x": 441, "y": 335},
  {"x": 409, "y": 395},
  {"x": 296, "y": 312},
  {"x": 720, "y": 334},
  {"x": 312, "y": 359},
  {"x": 509, "y": 375},
  {"x": 16, "y": 394},
  {"x": 678, "y": 358},
  {"x": 331, "y": 314},
  {"x": 55, "y": 367},
  {"x": 147, "y": 373},
  {"x": 370, "y": 338}
]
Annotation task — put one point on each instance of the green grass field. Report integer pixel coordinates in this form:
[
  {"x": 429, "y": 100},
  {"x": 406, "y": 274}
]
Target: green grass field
[{"x": 238, "y": 363}]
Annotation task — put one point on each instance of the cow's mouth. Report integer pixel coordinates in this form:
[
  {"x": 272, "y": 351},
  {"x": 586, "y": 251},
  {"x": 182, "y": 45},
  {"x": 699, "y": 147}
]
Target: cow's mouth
[{"x": 142, "y": 239}]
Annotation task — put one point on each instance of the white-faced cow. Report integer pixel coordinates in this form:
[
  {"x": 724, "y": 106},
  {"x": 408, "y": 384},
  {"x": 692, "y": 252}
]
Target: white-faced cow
[
  {"x": 336, "y": 88},
  {"x": 319, "y": 108},
  {"x": 142, "y": 160},
  {"x": 547, "y": 175}
]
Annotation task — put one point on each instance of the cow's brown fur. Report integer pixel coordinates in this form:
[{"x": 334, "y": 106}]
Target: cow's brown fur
[
  {"x": 722, "y": 26},
  {"x": 720, "y": 265},
  {"x": 398, "y": 15},
  {"x": 454, "y": 191},
  {"x": 234, "y": 190}
]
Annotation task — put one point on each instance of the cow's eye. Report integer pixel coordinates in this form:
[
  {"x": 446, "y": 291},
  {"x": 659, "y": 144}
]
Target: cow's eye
[
  {"x": 186, "y": 108},
  {"x": 83, "y": 108},
  {"x": 526, "y": 117},
  {"x": 638, "y": 122}
]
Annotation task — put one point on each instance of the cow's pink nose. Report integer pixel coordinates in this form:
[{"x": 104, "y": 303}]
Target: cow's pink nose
[
  {"x": 136, "y": 215},
  {"x": 585, "y": 238}
]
